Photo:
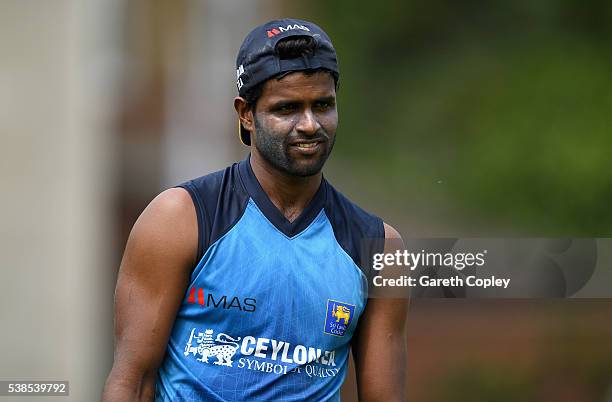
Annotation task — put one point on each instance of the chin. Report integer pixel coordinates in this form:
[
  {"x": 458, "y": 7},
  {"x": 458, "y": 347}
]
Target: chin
[
  {"x": 310, "y": 168},
  {"x": 305, "y": 173}
]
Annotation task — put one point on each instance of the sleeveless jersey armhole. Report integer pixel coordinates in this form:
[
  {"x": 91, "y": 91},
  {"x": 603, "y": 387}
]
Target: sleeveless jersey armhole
[
  {"x": 202, "y": 218},
  {"x": 360, "y": 233}
]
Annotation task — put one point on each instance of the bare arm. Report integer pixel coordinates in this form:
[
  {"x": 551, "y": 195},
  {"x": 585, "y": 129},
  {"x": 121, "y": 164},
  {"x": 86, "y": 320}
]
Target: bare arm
[
  {"x": 152, "y": 281},
  {"x": 380, "y": 345}
]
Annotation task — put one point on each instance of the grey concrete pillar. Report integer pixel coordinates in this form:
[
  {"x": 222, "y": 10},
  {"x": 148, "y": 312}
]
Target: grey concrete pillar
[{"x": 56, "y": 80}]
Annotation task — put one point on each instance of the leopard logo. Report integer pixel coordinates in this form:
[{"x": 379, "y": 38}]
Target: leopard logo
[{"x": 223, "y": 347}]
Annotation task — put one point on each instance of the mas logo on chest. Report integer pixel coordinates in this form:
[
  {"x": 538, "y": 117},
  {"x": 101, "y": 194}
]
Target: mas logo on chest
[{"x": 208, "y": 300}]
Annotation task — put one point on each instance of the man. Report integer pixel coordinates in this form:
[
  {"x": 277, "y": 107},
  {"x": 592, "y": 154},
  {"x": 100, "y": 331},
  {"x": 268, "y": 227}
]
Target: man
[{"x": 249, "y": 283}]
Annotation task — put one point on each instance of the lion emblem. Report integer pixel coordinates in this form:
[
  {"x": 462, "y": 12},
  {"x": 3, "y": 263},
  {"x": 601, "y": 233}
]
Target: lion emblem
[
  {"x": 341, "y": 313},
  {"x": 223, "y": 347}
]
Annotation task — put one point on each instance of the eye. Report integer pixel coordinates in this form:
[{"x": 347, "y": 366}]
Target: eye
[
  {"x": 285, "y": 108},
  {"x": 323, "y": 105}
]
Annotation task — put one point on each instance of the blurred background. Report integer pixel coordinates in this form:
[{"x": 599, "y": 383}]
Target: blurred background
[{"x": 464, "y": 118}]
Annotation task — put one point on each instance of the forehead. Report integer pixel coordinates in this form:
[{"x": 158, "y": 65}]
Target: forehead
[{"x": 299, "y": 85}]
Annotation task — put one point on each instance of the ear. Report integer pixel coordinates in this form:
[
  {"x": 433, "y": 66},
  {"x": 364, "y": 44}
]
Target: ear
[{"x": 245, "y": 114}]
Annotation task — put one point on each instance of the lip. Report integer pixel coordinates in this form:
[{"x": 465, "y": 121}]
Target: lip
[{"x": 311, "y": 150}]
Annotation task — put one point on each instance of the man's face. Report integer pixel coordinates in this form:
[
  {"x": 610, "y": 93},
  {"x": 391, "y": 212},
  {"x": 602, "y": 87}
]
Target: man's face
[{"x": 295, "y": 122}]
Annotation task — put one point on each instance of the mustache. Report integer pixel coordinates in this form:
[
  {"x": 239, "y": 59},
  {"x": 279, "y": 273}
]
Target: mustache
[{"x": 320, "y": 136}]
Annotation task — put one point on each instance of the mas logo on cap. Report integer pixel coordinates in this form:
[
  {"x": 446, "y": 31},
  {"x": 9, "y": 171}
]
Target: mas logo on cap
[{"x": 276, "y": 31}]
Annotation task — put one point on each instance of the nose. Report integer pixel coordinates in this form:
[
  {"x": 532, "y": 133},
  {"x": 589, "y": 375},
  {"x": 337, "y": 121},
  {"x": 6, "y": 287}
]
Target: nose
[{"x": 308, "y": 123}]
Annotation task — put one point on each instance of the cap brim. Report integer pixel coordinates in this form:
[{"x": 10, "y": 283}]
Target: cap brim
[{"x": 244, "y": 134}]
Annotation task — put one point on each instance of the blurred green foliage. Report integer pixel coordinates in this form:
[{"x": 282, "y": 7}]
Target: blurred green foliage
[{"x": 491, "y": 114}]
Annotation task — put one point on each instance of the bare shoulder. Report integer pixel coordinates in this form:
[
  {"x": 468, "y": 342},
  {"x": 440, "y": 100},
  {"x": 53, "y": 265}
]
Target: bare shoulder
[
  {"x": 393, "y": 240},
  {"x": 391, "y": 232},
  {"x": 168, "y": 224},
  {"x": 173, "y": 205}
]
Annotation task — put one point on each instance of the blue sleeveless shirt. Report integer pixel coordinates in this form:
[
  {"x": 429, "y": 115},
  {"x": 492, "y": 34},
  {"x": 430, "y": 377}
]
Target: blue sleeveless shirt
[{"x": 272, "y": 305}]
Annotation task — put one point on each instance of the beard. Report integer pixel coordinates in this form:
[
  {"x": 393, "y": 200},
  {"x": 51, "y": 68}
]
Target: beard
[{"x": 274, "y": 147}]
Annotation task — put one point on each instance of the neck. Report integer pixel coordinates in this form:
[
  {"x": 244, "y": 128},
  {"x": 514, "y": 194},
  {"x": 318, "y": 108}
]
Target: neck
[{"x": 290, "y": 194}]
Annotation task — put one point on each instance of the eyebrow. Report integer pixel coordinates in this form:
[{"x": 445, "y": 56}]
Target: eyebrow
[
  {"x": 326, "y": 98},
  {"x": 282, "y": 103}
]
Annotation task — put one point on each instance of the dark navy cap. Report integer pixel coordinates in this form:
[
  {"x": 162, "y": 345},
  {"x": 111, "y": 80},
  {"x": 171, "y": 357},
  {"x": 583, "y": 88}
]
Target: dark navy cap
[{"x": 257, "y": 60}]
